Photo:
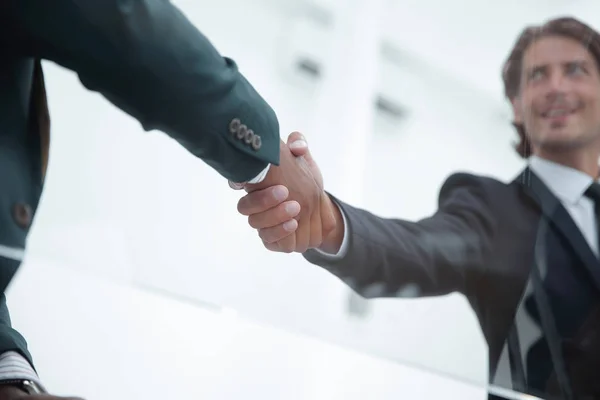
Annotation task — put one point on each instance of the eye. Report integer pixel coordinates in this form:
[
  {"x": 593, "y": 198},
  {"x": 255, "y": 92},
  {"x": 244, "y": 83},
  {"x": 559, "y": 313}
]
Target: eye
[
  {"x": 536, "y": 74},
  {"x": 575, "y": 69}
]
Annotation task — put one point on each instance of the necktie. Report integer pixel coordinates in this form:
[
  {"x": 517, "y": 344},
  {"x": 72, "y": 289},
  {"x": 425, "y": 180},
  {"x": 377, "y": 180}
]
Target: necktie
[{"x": 593, "y": 192}]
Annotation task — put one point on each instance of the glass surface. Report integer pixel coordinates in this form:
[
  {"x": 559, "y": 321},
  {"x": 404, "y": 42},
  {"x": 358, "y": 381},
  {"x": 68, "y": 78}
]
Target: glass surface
[{"x": 157, "y": 218}]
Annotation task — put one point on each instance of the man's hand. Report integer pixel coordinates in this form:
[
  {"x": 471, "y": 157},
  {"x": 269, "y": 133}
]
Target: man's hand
[
  {"x": 290, "y": 208},
  {"x": 8, "y": 392}
]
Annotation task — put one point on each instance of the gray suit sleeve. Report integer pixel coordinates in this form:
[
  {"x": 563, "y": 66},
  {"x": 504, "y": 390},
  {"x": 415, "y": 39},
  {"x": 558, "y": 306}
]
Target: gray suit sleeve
[{"x": 434, "y": 256}]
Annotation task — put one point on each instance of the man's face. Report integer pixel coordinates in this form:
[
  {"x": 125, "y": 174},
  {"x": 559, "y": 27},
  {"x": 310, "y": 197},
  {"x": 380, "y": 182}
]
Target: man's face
[{"x": 559, "y": 100}]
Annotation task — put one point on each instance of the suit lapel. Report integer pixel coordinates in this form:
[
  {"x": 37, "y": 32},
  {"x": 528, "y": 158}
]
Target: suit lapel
[
  {"x": 39, "y": 114},
  {"x": 560, "y": 219}
]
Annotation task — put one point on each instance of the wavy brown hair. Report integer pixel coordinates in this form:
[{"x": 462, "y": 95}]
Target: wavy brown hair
[{"x": 511, "y": 73}]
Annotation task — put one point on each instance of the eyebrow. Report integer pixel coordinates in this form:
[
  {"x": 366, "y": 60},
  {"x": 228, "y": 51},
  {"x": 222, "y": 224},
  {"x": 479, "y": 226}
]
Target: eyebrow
[{"x": 544, "y": 66}]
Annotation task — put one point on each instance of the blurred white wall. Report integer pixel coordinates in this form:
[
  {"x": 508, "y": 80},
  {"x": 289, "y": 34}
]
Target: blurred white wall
[
  {"x": 129, "y": 221},
  {"x": 104, "y": 340}
]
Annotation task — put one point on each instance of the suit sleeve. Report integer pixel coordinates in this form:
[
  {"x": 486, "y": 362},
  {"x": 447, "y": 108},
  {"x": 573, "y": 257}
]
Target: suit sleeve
[
  {"x": 10, "y": 339},
  {"x": 148, "y": 59},
  {"x": 438, "y": 255}
]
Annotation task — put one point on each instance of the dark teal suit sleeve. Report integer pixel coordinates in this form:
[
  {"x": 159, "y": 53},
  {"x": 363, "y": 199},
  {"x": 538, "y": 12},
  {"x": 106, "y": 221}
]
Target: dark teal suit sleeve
[
  {"x": 149, "y": 60},
  {"x": 10, "y": 339}
]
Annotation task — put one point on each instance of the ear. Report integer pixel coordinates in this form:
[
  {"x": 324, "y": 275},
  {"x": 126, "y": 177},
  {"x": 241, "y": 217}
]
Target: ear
[{"x": 517, "y": 110}]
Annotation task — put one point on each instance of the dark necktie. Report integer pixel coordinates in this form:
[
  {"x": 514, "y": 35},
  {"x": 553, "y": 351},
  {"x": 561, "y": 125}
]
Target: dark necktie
[{"x": 593, "y": 192}]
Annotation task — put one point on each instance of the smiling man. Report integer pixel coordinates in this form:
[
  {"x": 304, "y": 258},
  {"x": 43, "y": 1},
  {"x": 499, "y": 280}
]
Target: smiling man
[{"x": 524, "y": 253}]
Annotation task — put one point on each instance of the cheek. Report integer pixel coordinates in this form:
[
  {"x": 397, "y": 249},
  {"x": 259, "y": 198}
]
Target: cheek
[
  {"x": 588, "y": 98},
  {"x": 592, "y": 110},
  {"x": 528, "y": 109},
  {"x": 594, "y": 119},
  {"x": 530, "y": 116},
  {"x": 594, "y": 106}
]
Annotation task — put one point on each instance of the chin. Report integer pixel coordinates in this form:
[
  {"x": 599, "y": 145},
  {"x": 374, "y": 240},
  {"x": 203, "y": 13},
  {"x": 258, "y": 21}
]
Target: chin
[
  {"x": 558, "y": 134},
  {"x": 558, "y": 143}
]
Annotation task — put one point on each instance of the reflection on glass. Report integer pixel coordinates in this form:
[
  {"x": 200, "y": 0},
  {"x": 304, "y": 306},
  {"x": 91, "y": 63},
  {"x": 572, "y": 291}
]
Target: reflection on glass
[
  {"x": 524, "y": 253},
  {"x": 496, "y": 283}
]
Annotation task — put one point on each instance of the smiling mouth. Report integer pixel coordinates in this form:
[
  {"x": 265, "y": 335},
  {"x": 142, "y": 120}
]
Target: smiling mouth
[{"x": 558, "y": 113}]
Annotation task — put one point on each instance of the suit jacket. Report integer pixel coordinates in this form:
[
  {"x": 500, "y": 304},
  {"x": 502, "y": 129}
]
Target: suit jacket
[
  {"x": 484, "y": 241},
  {"x": 146, "y": 58}
]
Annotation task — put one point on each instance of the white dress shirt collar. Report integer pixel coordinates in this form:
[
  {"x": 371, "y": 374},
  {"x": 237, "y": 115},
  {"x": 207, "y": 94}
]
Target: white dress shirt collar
[{"x": 566, "y": 183}]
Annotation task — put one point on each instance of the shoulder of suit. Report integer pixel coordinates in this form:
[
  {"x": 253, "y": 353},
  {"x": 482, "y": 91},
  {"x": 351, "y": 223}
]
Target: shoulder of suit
[
  {"x": 486, "y": 191},
  {"x": 468, "y": 179}
]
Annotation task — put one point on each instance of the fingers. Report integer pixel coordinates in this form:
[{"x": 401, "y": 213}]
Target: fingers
[
  {"x": 297, "y": 144},
  {"x": 286, "y": 228},
  {"x": 280, "y": 214},
  {"x": 268, "y": 212},
  {"x": 278, "y": 233},
  {"x": 262, "y": 200},
  {"x": 286, "y": 245},
  {"x": 271, "y": 246},
  {"x": 285, "y": 225}
]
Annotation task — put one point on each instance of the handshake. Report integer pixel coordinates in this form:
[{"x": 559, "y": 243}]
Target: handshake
[{"x": 289, "y": 208}]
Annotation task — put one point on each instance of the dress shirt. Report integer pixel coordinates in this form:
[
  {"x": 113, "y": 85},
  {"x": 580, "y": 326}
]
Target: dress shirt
[{"x": 569, "y": 186}]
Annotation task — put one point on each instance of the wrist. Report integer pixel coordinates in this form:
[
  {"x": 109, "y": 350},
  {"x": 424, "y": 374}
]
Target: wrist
[{"x": 333, "y": 242}]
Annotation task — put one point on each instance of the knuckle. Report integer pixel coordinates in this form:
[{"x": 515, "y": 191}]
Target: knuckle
[
  {"x": 287, "y": 244},
  {"x": 272, "y": 235},
  {"x": 315, "y": 241},
  {"x": 302, "y": 246},
  {"x": 269, "y": 218},
  {"x": 264, "y": 234},
  {"x": 270, "y": 246},
  {"x": 302, "y": 249},
  {"x": 287, "y": 248}
]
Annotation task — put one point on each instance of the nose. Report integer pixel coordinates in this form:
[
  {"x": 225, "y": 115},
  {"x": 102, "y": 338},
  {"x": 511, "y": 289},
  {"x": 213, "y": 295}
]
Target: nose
[
  {"x": 556, "y": 88},
  {"x": 557, "y": 83}
]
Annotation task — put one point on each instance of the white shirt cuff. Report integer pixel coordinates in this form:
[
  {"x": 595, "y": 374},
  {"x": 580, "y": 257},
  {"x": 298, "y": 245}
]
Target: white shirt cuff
[
  {"x": 260, "y": 177},
  {"x": 345, "y": 242},
  {"x": 14, "y": 366}
]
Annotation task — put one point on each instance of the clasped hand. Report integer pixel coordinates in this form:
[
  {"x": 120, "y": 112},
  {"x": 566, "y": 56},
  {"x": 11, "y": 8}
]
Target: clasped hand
[{"x": 290, "y": 208}]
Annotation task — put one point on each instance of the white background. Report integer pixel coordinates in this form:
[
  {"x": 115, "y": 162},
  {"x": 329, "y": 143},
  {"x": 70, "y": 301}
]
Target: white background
[{"x": 137, "y": 257}]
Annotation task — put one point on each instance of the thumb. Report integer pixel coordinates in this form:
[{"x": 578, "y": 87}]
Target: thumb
[{"x": 297, "y": 144}]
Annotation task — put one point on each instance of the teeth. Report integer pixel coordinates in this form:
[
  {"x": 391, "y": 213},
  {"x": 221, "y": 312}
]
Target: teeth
[{"x": 557, "y": 113}]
